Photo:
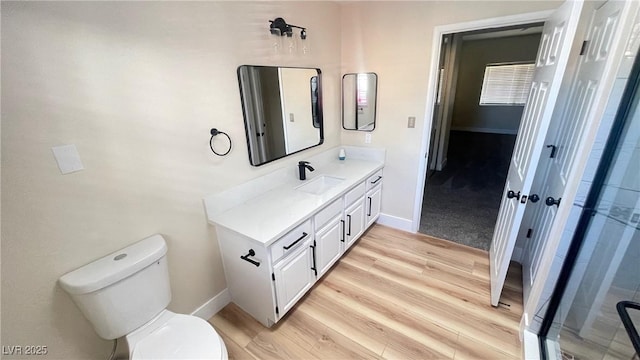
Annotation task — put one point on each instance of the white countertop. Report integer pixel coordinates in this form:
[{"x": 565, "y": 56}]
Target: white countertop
[{"x": 270, "y": 215}]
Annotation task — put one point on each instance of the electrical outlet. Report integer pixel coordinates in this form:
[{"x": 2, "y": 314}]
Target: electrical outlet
[
  {"x": 367, "y": 138},
  {"x": 412, "y": 122}
]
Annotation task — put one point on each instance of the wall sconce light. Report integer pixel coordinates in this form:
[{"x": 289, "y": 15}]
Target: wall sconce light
[{"x": 280, "y": 27}]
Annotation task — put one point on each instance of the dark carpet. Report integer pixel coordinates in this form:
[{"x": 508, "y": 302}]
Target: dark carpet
[{"x": 461, "y": 202}]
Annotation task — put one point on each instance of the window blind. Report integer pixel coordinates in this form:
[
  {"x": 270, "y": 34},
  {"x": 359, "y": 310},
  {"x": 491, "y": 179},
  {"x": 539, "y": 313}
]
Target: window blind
[{"x": 506, "y": 84}]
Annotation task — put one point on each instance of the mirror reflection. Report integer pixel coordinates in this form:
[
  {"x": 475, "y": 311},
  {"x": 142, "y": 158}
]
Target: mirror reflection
[
  {"x": 282, "y": 110},
  {"x": 359, "y": 101}
]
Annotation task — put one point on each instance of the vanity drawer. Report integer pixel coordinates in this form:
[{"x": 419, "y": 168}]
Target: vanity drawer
[
  {"x": 328, "y": 213},
  {"x": 354, "y": 195},
  {"x": 290, "y": 241},
  {"x": 374, "y": 180}
]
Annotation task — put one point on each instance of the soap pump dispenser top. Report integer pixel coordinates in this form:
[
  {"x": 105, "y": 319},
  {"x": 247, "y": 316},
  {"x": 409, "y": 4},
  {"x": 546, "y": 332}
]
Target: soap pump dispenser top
[{"x": 341, "y": 154}]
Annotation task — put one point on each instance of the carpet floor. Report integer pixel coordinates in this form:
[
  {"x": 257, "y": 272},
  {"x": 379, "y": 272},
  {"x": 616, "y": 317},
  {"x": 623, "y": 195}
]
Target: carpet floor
[{"x": 461, "y": 202}]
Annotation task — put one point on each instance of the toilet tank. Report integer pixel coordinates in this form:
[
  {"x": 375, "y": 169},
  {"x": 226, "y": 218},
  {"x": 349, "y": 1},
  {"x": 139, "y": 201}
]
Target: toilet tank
[{"x": 123, "y": 290}]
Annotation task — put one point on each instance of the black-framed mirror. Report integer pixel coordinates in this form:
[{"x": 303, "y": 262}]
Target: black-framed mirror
[
  {"x": 359, "y": 98},
  {"x": 282, "y": 109}
]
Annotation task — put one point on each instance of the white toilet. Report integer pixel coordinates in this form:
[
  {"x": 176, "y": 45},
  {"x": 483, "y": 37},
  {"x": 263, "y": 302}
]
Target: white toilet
[{"x": 125, "y": 294}]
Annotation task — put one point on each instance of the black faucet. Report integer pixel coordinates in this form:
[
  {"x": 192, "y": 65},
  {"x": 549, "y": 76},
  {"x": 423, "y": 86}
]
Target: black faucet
[{"x": 302, "y": 165}]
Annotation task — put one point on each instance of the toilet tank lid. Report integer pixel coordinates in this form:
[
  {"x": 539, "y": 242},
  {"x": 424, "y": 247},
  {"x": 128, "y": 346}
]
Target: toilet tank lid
[{"x": 115, "y": 266}]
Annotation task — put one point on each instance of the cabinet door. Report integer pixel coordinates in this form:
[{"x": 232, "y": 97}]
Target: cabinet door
[
  {"x": 354, "y": 223},
  {"x": 293, "y": 277},
  {"x": 373, "y": 205},
  {"x": 328, "y": 249}
]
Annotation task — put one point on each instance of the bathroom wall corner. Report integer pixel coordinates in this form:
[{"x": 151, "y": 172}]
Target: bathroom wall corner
[
  {"x": 207, "y": 310},
  {"x": 396, "y": 222}
]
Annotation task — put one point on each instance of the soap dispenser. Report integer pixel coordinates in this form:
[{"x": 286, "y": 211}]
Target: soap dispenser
[{"x": 341, "y": 154}]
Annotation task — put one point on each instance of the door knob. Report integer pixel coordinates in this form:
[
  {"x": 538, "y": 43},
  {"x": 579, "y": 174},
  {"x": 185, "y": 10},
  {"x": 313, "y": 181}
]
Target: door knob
[
  {"x": 511, "y": 194},
  {"x": 550, "y": 201},
  {"x": 534, "y": 198}
]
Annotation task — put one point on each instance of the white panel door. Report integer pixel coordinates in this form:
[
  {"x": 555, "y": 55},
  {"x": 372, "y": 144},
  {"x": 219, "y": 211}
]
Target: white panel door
[
  {"x": 328, "y": 246},
  {"x": 293, "y": 277},
  {"x": 567, "y": 132},
  {"x": 374, "y": 197},
  {"x": 354, "y": 226},
  {"x": 551, "y": 62}
]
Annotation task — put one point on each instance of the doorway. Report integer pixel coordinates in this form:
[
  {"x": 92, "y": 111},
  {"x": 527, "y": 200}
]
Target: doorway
[{"x": 483, "y": 81}]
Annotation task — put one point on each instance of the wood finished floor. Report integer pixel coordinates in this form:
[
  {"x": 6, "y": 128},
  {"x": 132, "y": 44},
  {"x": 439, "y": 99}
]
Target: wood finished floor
[{"x": 394, "y": 295}]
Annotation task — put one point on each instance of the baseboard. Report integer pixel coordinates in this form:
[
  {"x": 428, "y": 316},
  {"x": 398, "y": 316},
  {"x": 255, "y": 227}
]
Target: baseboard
[
  {"x": 395, "y": 222},
  {"x": 486, "y": 130},
  {"x": 213, "y": 305}
]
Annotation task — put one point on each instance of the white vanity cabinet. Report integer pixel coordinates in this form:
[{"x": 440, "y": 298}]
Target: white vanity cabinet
[
  {"x": 267, "y": 280},
  {"x": 373, "y": 198},
  {"x": 276, "y": 240}
]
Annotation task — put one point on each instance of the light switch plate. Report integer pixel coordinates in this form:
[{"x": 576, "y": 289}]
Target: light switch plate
[
  {"x": 412, "y": 122},
  {"x": 367, "y": 138},
  {"x": 68, "y": 158}
]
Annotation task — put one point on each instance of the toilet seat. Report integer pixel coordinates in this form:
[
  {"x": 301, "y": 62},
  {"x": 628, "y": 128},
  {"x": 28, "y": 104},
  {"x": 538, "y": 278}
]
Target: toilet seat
[{"x": 176, "y": 336}]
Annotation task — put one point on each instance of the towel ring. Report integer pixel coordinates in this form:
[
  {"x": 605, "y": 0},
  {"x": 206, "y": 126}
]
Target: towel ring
[{"x": 214, "y": 133}]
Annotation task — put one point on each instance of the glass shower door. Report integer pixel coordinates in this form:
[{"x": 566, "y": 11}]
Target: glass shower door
[{"x": 607, "y": 268}]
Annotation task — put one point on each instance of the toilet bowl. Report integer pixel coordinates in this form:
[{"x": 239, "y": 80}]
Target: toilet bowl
[
  {"x": 125, "y": 295},
  {"x": 176, "y": 336}
]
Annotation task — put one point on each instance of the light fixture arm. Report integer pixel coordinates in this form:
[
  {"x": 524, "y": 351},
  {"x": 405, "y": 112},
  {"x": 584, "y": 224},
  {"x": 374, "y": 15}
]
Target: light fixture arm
[{"x": 280, "y": 27}]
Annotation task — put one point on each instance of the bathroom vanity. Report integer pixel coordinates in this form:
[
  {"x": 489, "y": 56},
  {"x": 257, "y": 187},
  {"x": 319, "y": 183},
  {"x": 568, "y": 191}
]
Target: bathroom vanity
[{"x": 278, "y": 235}]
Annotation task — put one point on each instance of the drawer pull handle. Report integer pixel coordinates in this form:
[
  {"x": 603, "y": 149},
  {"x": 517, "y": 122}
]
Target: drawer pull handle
[
  {"x": 376, "y": 180},
  {"x": 349, "y": 231},
  {"x": 304, "y": 234},
  {"x": 343, "y": 228},
  {"x": 246, "y": 258},
  {"x": 369, "y": 212},
  {"x": 313, "y": 249}
]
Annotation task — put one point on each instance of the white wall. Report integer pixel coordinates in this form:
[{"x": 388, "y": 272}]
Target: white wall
[
  {"x": 394, "y": 39},
  {"x": 136, "y": 87}
]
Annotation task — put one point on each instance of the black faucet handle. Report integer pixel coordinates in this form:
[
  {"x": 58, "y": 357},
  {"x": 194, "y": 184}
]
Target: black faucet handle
[{"x": 302, "y": 165}]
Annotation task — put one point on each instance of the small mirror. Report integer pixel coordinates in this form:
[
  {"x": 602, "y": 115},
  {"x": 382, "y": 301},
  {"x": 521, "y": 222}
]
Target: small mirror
[
  {"x": 282, "y": 110},
  {"x": 359, "y": 101}
]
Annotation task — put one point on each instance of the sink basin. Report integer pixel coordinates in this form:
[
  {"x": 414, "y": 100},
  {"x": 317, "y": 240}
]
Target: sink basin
[{"x": 320, "y": 184}]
